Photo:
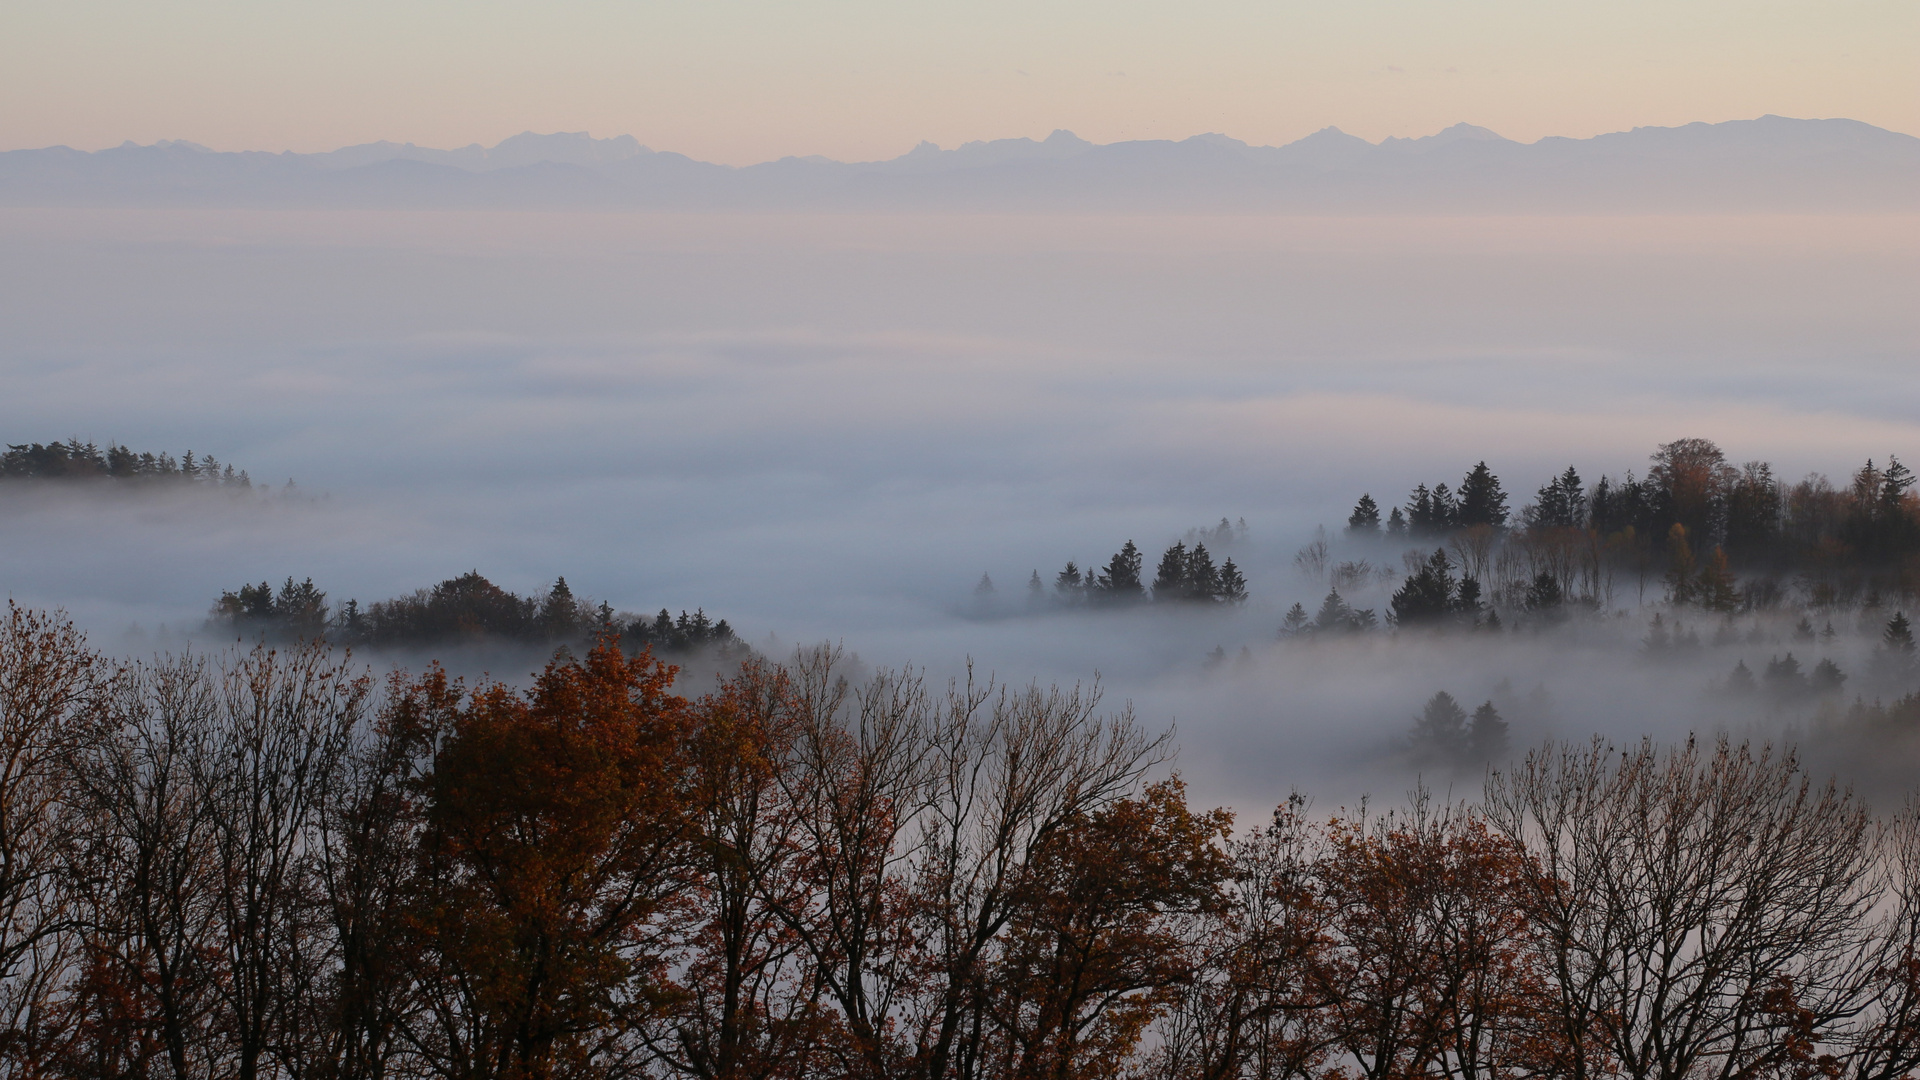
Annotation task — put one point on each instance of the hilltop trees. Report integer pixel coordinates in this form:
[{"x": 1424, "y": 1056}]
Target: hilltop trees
[
  {"x": 467, "y": 609},
  {"x": 75, "y": 461}
]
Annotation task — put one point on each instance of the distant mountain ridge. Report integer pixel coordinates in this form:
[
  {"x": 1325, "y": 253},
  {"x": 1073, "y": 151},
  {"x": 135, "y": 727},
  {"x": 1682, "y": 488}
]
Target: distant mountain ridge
[{"x": 1771, "y": 163}]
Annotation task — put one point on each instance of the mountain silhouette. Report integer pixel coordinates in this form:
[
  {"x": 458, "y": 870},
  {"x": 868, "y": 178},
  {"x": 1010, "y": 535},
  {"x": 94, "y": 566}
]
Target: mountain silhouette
[{"x": 1769, "y": 164}]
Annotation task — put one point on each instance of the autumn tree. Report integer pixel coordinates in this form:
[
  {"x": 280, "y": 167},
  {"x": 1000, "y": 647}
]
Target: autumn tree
[{"x": 556, "y": 834}]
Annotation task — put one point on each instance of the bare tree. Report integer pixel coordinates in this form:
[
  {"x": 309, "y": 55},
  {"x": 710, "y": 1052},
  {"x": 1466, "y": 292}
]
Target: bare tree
[
  {"x": 283, "y": 724},
  {"x": 143, "y": 874},
  {"x": 46, "y": 684},
  {"x": 1698, "y": 911}
]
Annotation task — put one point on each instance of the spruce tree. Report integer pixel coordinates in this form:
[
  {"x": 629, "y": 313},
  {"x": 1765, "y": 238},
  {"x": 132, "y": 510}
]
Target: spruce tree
[
  {"x": 1482, "y": 502},
  {"x": 1120, "y": 581},
  {"x": 1233, "y": 587},
  {"x": 1365, "y": 519},
  {"x": 1202, "y": 579},
  {"x": 1487, "y": 735},
  {"x": 1170, "y": 579},
  {"x": 1396, "y": 525},
  {"x": 1427, "y": 596},
  {"x": 1439, "y": 733},
  {"x": 1295, "y": 622}
]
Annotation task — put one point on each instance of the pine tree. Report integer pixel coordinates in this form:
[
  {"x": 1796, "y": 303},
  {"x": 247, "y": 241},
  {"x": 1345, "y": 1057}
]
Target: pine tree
[
  {"x": 1068, "y": 583},
  {"x": 1036, "y": 589},
  {"x": 1233, "y": 587},
  {"x": 1202, "y": 579},
  {"x": 984, "y": 587},
  {"x": 1487, "y": 734},
  {"x": 1482, "y": 502},
  {"x": 560, "y": 612},
  {"x": 1420, "y": 521},
  {"x": 1396, "y": 525},
  {"x": 1295, "y": 622},
  {"x": 1365, "y": 519},
  {"x": 1740, "y": 683},
  {"x": 1170, "y": 579},
  {"x": 1120, "y": 581},
  {"x": 1440, "y": 731},
  {"x": 1427, "y": 596}
]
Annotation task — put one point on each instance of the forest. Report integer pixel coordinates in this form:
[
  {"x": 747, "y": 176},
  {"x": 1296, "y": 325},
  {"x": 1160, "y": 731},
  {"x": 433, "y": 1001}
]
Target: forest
[
  {"x": 266, "y": 863},
  {"x": 1696, "y": 531},
  {"x": 467, "y": 609},
  {"x": 76, "y": 462}
]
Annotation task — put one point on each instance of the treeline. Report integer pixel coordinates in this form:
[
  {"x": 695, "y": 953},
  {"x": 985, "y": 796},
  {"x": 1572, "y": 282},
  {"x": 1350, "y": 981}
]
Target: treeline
[
  {"x": 74, "y": 460},
  {"x": 269, "y": 867},
  {"x": 1699, "y": 529},
  {"x": 465, "y": 609},
  {"x": 1184, "y": 575}
]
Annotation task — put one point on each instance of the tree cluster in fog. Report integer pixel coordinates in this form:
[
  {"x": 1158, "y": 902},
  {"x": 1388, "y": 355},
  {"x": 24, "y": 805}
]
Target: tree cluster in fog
[
  {"x": 1696, "y": 530},
  {"x": 76, "y": 462},
  {"x": 262, "y": 864},
  {"x": 1185, "y": 574},
  {"x": 463, "y": 609}
]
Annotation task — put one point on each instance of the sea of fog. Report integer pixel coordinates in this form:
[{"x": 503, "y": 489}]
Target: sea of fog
[{"x": 828, "y": 427}]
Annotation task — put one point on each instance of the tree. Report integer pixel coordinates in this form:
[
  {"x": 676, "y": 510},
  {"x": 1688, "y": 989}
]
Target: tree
[
  {"x": 1427, "y": 596},
  {"x": 1170, "y": 578},
  {"x": 1439, "y": 735},
  {"x": 1482, "y": 502},
  {"x": 1365, "y": 519},
  {"x": 48, "y": 684},
  {"x": 1560, "y": 504},
  {"x": 1487, "y": 734},
  {"x": 1095, "y": 948},
  {"x": 1233, "y": 586},
  {"x": 1692, "y": 477},
  {"x": 1120, "y": 581},
  {"x": 560, "y": 613},
  {"x": 557, "y": 830},
  {"x": 1396, "y": 525},
  {"x": 1702, "y": 912},
  {"x": 747, "y": 1010}
]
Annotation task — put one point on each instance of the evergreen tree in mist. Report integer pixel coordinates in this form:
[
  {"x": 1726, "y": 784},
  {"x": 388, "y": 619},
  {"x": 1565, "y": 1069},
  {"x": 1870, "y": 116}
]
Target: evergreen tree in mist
[
  {"x": 1482, "y": 502},
  {"x": 1365, "y": 519},
  {"x": 1120, "y": 581}
]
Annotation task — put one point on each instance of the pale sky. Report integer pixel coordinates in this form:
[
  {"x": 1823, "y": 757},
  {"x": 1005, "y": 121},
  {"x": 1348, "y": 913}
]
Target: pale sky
[{"x": 740, "y": 81}]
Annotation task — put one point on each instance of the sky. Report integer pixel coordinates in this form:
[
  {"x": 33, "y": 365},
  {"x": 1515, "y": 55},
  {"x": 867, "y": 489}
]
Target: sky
[{"x": 739, "y": 81}]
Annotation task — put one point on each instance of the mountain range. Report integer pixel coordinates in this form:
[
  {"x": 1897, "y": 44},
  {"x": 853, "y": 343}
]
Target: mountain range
[{"x": 1770, "y": 164}]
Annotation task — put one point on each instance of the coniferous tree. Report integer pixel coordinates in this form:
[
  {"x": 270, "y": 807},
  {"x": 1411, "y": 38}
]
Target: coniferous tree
[
  {"x": 1741, "y": 682},
  {"x": 1440, "y": 731},
  {"x": 1036, "y": 589},
  {"x": 1233, "y": 587},
  {"x": 1202, "y": 578},
  {"x": 1365, "y": 519},
  {"x": 560, "y": 612},
  {"x": 1170, "y": 579},
  {"x": 1420, "y": 513},
  {"x": 1427, "y": 596},
  {"x": 1120, "y": 581},
  {"x": 1487, "y": 734},
  {"x": 1396, "y": 525},
  {"x": 1827, "y": 678},
  {"x": 1295, "y": 623},
  {"x": 1482, "y": 502},
  {"x": 1068, "y": 584},
  {"x": 1446, "y": 509}
]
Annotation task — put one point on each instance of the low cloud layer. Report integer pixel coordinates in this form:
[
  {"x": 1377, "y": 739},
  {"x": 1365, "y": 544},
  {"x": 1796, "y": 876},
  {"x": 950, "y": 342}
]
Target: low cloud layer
[{"x": 829, "y": 426}]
